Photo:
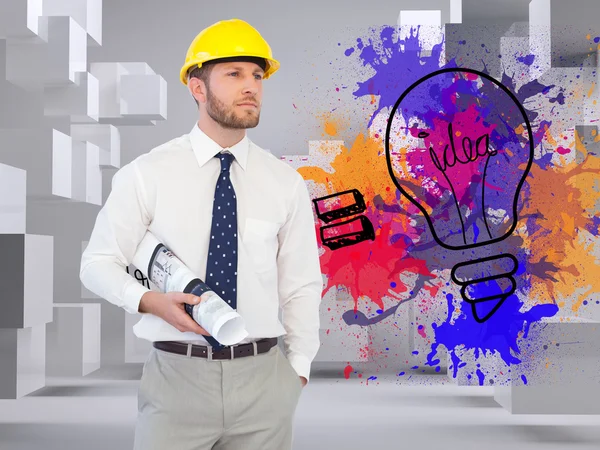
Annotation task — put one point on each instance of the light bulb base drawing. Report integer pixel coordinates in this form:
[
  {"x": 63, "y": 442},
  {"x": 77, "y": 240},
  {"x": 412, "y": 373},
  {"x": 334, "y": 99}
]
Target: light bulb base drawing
[{"x": 485, "y": 294}]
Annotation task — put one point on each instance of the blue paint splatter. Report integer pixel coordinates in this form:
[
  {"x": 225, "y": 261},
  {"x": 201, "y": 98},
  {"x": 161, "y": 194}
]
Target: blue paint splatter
[
  {"x": 527, "y": 60},
  {"x": 524, "y": 378},
  {"x": 391, "y": 56},
  {"x": 498, "y": 335},
  {"x": 480, "y": 376}
]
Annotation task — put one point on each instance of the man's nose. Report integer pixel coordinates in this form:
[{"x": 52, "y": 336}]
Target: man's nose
[{"x": 251, "y": 86}]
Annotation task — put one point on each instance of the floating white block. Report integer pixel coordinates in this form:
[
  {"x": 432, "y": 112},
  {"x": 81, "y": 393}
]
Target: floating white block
[
  {"x": 339, "y": 341},
  {"x": 32, "y": 62},
  {"x": 426, "y": 310},
  {"x": 106, "y": 137},
  {"x": 85, "y": 292},
  {"x": 26, "y": 277},
  {"x": 23, "y": 356},
  {"x": 52, "y": 165},
  {"x": 73, "y": 340},
  {"x": 429, "y": 24},
  {"x": 93, "y": 173},
  {"x": 540, "y": 36},
  {"x": 136, "y": 349},
  {"x": 79, "y": 172},
  {"x": 87, "y": 13},
  {"x": 511, "y": 49},
  {"x": 19, "y": 18},
  {"x": 494, "y": 370},
  {"x": 423, "y": 17},
  {"x": 455, "y": 11},
  {"x": 79, "y": 101},
  {"x": 62, "y": 165},
  {"x": 561, "y": 374},
  {"x": 108, "y": 76},
  {"x": 26, "y": 107},
  {"x": 344, "y": 346},
  {"x": 13, "y": 184},
  {"x": 116, "y": 85},
  {"x": 86, "y": 182},
  {"x": 144, "y": 96},
  {"x": 137, "y": 68}
]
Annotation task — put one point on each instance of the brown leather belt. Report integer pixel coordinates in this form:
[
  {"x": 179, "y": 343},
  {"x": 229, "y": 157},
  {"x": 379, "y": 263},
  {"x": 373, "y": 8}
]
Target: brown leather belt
[{"x": 201, "y": 351}]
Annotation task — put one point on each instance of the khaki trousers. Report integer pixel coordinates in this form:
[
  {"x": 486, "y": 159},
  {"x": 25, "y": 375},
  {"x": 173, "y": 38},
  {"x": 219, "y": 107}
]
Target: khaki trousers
[{"x": 190, "y": 403}]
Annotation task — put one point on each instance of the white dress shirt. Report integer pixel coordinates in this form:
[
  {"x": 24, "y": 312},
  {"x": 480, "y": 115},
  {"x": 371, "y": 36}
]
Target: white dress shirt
[{"x": 170, "y": 192}]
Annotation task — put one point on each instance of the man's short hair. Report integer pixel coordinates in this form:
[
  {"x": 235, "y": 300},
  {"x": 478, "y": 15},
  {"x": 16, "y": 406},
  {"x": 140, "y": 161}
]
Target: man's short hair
[{"x": 202, "y": 73}]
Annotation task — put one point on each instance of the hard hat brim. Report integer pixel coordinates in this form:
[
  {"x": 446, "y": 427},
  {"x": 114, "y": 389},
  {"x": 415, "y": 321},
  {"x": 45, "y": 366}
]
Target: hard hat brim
[{"x": 272, "y": 65}]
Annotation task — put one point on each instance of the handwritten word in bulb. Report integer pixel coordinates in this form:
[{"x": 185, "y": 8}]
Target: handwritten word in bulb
[{"x": 464, "y": 156}]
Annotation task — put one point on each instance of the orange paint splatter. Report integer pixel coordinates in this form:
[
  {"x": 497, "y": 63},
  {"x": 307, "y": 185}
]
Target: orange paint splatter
[{"x": 330, "y": 128}]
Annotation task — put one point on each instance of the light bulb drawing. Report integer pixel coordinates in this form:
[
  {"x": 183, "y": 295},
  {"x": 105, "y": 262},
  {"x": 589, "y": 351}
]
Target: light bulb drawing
[{"x": 459, "y": 146}]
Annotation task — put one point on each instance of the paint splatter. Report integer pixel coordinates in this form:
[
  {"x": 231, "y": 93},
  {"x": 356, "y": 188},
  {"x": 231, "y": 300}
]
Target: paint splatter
[
  {"x": 347, "y": 371},
  {"x": 554, "y": 247}
]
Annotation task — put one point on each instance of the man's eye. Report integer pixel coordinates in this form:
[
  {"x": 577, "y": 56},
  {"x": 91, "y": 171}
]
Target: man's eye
[
  {"x": 233, "y": 73},
  {"x": 259, "y": 77}
]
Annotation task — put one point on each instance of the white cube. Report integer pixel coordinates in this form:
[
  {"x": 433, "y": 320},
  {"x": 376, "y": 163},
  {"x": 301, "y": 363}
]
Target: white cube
[
  {"x": 19, "y": 18},
  {"x": 144, "y": 97},
  {"x": 54, "y": 168},
  {"x": 23, "y": 355},
  {"x": 87, "y": 13},
  {"x": 106, "y": 137},
  {"x": 561, "y": 373},
  {"x": 124, "y": 103},
  {"x": 79, "y": 101},
  {"x": 61, "y": 57},
  {"x": 13, "y": 184},
  {"x": 73, "y": 340},
  {"x": 136, "y": 349},
  {"x": 540, "y": 36},
  {"x": 27, "y": 280}
]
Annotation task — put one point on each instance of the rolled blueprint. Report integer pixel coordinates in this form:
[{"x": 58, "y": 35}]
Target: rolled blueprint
[{"x": 169, "y": 274}]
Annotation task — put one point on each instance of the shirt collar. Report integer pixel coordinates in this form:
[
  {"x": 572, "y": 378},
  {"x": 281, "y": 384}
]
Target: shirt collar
[{"x": 205, "y": 148}]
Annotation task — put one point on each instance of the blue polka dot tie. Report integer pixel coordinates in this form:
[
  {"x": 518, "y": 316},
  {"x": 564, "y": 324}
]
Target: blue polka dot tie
[{"x": 221, "y": 268}]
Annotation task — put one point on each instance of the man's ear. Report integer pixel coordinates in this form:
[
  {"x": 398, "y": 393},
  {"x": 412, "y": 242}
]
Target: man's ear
[{"x": 198, "y": 89}]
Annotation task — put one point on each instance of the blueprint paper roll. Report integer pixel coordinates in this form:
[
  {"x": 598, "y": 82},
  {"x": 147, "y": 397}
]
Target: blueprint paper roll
[{"x": 170, "y": 274}]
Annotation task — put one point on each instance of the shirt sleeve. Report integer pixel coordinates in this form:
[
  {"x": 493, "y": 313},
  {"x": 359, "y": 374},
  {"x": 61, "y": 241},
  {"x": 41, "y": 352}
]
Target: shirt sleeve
[
  {"x": 300, "y": 282},
  {"x": 118, "y": 230}
]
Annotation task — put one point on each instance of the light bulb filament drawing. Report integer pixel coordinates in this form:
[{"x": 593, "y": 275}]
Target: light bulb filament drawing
[{"x": 462, "y": 160}]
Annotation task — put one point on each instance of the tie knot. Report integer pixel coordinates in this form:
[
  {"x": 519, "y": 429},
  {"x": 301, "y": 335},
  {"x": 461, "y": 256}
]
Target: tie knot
[{"x": 226, "y": 160}]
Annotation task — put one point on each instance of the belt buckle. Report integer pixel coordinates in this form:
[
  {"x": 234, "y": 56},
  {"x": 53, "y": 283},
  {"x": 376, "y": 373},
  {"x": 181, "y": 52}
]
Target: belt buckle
[{"x": 209, "y": 352}]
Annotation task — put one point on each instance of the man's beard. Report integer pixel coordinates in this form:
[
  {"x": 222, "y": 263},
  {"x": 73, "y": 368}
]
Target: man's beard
[{"x": 226, "y": 116}]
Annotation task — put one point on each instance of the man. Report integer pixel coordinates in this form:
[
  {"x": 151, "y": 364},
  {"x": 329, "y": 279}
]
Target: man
[{"x": 240, "y": 219}]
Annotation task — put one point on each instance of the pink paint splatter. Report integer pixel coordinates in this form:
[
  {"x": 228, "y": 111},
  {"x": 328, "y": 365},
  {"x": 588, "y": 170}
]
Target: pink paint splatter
[
  {"x": 563, "y": 151},
  {"x": 347, "y": 371},
  {"x": 421, "y": 331}
]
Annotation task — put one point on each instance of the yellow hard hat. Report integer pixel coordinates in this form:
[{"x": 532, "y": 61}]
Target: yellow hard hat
[{"x": 228, "y": 39}]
